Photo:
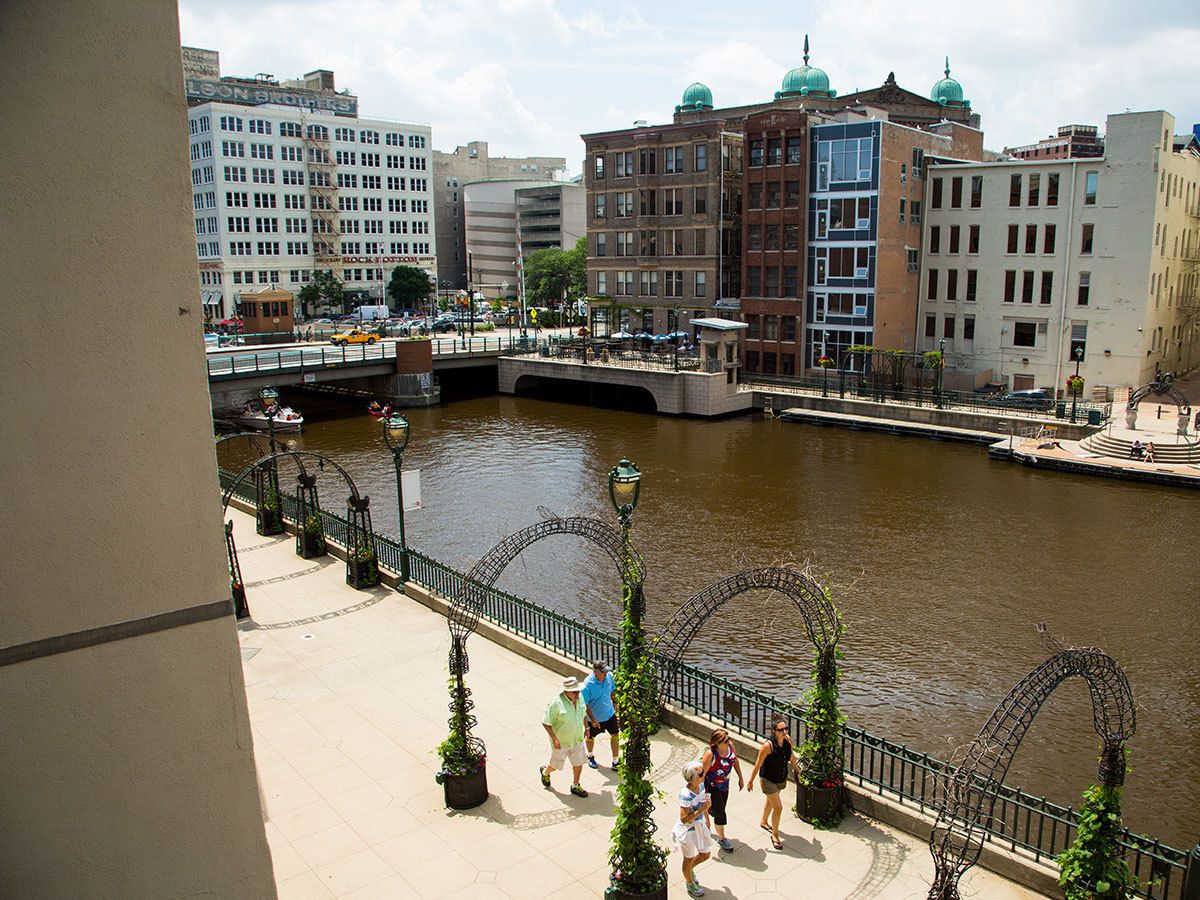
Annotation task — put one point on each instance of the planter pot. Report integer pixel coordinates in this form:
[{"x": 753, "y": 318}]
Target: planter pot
[
  {"x": 240, "y": 609},
  {"x": 268, "y": 521},
  {"x": 819, "y": 804},
  {"x": 310, "y": 544},
  {"x": 362, "y": 574},
  {"x": 465, "y": 791},
  {"x": 616, "y": 893}
]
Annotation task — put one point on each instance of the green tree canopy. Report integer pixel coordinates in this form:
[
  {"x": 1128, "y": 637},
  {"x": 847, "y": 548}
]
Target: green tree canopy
[
  {"x": 324, "y": 286},
  {"x": 409, "y": 286},
  {"x": 551, "y": 272}
]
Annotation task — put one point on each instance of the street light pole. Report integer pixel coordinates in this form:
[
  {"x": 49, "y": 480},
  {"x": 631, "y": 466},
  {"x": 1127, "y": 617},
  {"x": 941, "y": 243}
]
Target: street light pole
[
  {"x": 270, "y": 405},
  {"x": 941, "y": 370},
  {"x": 395, "y": 435},
  {"x": 1075, "y": 392},
  {"x": 675, "y": 333}
]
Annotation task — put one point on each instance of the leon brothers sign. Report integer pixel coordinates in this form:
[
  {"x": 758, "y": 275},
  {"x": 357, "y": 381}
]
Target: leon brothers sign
[{"x": 258, "y": 94}]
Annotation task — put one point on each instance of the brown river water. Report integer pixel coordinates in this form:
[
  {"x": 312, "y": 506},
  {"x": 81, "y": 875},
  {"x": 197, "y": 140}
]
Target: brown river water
[{"x": 941, "y": 561}]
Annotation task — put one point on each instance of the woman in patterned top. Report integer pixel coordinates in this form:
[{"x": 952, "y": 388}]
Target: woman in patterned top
[{"x": 720, "y": 759}]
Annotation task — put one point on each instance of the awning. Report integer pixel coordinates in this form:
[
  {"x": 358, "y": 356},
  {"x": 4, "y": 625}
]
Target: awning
[{"x": 210, "y": 299}]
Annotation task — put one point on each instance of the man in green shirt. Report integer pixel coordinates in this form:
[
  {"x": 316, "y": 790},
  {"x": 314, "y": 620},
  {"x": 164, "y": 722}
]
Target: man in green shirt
[{"x": 563, "y": 722}]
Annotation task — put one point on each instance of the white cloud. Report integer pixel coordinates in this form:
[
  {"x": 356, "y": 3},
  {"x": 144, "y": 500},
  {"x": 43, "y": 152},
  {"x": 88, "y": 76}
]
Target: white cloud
[{"x": 530, "y": 76}]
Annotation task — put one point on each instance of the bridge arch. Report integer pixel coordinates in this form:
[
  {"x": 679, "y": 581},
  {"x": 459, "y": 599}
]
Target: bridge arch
[
  {"x": 968, "y": 796},
  {"x": 471, "y": 598},
  {"x": 527, "y": 381}
]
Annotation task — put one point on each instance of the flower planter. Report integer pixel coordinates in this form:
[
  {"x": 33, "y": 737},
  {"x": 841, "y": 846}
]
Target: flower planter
[
  {"x": 268, "y": 521},
  {"x": 310, "y": 544},
  {"x": 819, "y": 805},
  {"x": 612, "y": 892},
  {"x": 362, "y": 573},
  {"x": 240, "y": 609},
  {"x": 464, "y": 791}
]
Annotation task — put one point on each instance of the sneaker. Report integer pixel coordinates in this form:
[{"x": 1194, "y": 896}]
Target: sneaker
[
  {"x": 578, "y": 790},
  {"x": 545, "y": 777},
  {"x": 616, "y": 764},
  {"x": 592, "y": 762},
  {"x": 694, "y": 889},
  {"x": 725, "y": 844}
]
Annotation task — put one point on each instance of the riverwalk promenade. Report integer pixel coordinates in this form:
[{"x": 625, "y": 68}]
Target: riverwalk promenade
[{"x": 347, "y": 696}]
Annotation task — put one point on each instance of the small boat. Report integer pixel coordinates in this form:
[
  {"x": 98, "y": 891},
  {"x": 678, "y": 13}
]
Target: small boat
[
  {"x": 286, "y": 419},
  {"x": 379, "y": 412}
]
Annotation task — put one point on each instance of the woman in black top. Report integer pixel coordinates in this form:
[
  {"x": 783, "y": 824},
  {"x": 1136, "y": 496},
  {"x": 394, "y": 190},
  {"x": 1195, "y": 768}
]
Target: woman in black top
[{"x": 774, "y": 760}]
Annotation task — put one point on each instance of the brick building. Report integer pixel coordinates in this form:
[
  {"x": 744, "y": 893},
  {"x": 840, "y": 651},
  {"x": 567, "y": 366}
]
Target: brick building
[{"x": 1071, "y": 142}]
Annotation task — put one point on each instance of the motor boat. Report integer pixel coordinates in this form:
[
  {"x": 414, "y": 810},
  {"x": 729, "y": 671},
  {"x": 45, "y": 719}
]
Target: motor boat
[
  {"x": 286, "y": 419},
  {"x": 379, "y": 412}
]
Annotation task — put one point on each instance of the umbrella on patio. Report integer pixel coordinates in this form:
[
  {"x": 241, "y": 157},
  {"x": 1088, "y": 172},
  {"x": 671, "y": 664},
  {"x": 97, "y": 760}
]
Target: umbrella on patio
[
  {"x": 679, "y": 334},
  {"x": 645, "y": 335},
  {"x": 621, "y": 335},
  {"x": 659, "y": 337}
]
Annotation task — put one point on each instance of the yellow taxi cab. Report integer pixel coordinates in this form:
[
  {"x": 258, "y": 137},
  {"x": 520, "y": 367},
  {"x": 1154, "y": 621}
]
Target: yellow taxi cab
[{"x": 353, "y": 336}]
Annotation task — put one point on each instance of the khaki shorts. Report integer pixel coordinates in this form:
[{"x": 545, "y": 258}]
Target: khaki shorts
[
  {"x": 577, "y": 755},
  {"x": 771, "y": 787}
]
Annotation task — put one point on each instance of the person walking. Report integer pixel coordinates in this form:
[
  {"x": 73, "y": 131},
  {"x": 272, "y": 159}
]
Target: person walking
[
  {"x": 720, "y": 759},
  {"x": 691, "y": 834},
  {"x": 563, "y": 722},
  {"x": 602, "y": 713},
  {"x": 774, "y": 760}
]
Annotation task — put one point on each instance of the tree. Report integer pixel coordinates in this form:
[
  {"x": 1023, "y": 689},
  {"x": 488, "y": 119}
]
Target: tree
[
  {"x": 409, "y": 286},
  {"x": 324, "y": 288},
  {"x": 551, "y": 274}
]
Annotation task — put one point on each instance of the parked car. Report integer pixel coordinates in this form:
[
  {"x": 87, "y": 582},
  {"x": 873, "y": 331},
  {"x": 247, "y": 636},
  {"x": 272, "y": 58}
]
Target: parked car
[
  {"x": 353, "y": 336},
  {"x": 1036, "y": 398}
]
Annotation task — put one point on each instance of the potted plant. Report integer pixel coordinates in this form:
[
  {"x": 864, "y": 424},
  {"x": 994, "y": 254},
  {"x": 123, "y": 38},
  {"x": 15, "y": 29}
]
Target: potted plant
[
  {"x": 310, "y": 537},
  {"x": 463, "y": 776},
  {"x": 1094, "y": 867},
  {"x": 935, "y": 360},
  {"x": 362, "y": 569},
  {"x": 1075, "y": 384},
  {"x": 821, "y": 787},
  {"x": 825, "y": 362},
  {"x": 270, "y": 516}
]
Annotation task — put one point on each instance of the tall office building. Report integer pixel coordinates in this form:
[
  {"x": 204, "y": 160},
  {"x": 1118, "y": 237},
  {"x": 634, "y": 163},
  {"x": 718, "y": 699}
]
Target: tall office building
[
  {"x": 1028, "y": 262},
  {"x": 451, "y": 172}
]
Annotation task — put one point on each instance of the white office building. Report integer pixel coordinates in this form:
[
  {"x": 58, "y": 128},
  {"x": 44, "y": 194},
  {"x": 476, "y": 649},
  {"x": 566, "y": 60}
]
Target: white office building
[
  {"x": 280, "y": 192},
  {"x": 1025, "y": 263}
]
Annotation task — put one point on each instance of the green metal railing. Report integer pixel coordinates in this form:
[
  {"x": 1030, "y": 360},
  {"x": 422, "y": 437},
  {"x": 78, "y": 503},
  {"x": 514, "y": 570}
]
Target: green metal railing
[{"x": 1020, "y": 821}]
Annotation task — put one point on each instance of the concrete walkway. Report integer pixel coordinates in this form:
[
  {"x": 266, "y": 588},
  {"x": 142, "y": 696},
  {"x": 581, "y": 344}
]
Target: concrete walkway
[{"x": 348, "y": 698}]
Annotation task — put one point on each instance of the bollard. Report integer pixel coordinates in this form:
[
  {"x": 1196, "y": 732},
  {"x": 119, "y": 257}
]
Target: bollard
[
  {"x": 1191, "y": 876},
  {"x": 1159, "y": 416}
]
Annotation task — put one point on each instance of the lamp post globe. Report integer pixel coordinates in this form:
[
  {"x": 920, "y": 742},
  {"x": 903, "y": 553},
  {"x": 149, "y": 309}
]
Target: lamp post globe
[
  {"x": 395, "y": 435},
  {"x": 268, "y": 396},
  {"x": 1075, "y": 393},
  {"x": 624, "y": 486}
]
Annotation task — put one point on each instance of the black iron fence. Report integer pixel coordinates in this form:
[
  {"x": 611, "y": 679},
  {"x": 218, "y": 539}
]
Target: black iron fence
[{"x": 1020, "y": 822}]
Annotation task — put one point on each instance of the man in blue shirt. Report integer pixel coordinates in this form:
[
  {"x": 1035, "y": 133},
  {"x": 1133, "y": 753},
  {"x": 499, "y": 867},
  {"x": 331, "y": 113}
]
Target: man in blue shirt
[{"x": 601, "y": 713}]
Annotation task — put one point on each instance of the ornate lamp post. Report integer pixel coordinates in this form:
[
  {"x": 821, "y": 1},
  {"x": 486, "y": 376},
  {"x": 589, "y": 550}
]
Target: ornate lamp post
[
  {"x": 268, "y": 500},
  {"x": 673, "y": 327},
  {"x": 395, "y": 435},
  {"x": 941, "y": 370},
  {"x": 270, "y": 404},
  {"x": 1076, "y": 387}
]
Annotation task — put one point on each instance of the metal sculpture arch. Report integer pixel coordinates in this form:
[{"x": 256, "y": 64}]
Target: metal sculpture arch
[
  {"x": 471, "y": 598},
  {"x": 968, "y": 795},
  {"x": 1159, "y": 389}
]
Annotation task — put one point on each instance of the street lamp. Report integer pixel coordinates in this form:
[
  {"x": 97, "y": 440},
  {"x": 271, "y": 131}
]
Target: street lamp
[
  {"x": 395, "y": 435},
  {"x": 673, "y": 327},
  {"x": 941, "y": 370},
  {"x": 624, "y": 485},
  {"x": 269, "y": 398},
  {"x": 1075, "y": 391},
  {"x": 824, "y": 364}
]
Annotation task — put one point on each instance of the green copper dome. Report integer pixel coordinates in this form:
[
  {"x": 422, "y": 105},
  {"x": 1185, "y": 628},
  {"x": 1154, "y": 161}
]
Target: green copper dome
[
  {"x": 805, "y": 81},
  {"x": 695, "y": 96},
  {"x": 948, "y": 92}
]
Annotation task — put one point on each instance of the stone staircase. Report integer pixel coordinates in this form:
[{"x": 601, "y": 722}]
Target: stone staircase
[{"x": 1119, "y": 447}]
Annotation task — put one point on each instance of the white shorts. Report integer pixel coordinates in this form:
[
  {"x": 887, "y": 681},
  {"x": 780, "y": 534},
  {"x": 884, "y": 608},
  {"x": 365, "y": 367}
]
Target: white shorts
[
  {"x": 692, "y": 839},
  {"x": 577, "y": 755}
]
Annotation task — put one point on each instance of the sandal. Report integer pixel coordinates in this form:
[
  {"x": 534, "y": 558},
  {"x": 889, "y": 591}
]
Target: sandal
[
  {"x": 766, "y": 828},
  {"x": 776, "y": 843}
]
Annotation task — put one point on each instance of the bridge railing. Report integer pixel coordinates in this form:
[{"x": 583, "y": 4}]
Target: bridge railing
[
  {"x": 296, "y": 359},
  {"x": 599, "y": 354},
  {"x": 1023, "y": 822}
]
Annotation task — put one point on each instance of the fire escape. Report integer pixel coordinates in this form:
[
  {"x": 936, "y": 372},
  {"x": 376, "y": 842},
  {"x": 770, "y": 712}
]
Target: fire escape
[{"x": 323, "y": 197}]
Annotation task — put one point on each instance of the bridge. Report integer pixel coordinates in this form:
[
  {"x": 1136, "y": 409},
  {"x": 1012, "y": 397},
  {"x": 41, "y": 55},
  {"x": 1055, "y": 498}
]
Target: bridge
[{"x": 250, "y": 368}]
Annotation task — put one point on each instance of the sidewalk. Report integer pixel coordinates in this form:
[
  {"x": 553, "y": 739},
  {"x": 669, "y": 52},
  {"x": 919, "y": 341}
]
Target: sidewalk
[{"x": 348, "y": 699}]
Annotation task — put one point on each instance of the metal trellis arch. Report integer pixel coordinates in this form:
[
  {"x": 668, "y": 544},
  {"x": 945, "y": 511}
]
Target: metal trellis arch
[{"x": 969, "y": 792}]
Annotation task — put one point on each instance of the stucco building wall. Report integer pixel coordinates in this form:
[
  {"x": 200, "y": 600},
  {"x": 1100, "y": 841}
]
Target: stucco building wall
[{"x": 127, "y": 765}]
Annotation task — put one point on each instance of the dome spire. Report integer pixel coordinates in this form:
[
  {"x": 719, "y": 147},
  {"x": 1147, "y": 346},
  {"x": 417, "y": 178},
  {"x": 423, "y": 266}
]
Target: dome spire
[
  {"x": 806, "y": 52},
  {"x": 947, "y": 66}
]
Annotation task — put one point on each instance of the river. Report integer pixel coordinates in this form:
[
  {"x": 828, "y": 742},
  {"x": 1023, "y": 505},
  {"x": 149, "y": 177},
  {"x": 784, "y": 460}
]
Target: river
[{"x": 941, "y": 561}]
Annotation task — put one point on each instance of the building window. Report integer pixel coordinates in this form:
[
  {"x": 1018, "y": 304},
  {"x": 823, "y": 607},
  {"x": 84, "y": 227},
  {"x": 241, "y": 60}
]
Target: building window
[
  {"x": 601, "y": 199},
  {"x": 791, "y": 237},
  {"x": 754, "y": 196},
  {"x": 648, "y": 206},
  {"x": 649, "y": 284},
  {"x": 935, "y": 239},
  {"x": 973, "y": 239},
  {"x": 1024, "y": 334},
  {"x": 791, "y": 282},
  {"x": 948, "y": 328},
  {"x": 770, "y": 331},
  {"x": 914, "y": 261},
  {"x": 601, "y": 244},
  {"x": 1035, "y": 186},
  {"x": 700, "y": 157},
  {"x": 754, "y": 238},
  {"x": 932, "y": 293},
  {"x": 976, "y": 191},
  {"x": 1027, "y": 287},
  {"x": 791, "y": 193},
  {"x": 772, "y": 237},
  {"x": 624, "y": 169},
  {"x": 701, "y": 242},
  {"x": 1013, "y": 235},
  {"x": 672, "y": 202},
  {"x": 1085, "y": 288},
  {"x": 775, "y": 152},
  {"x": 903, "y": 207},
  {"x": 935, "y": 199},
  {"x": 1010, "y": 285},
  {"x": 774, "y": 194},
  {"x": 602, "y": 283},
  {"x": 1047, "y": 287},
  {"x": 1031, "y": 238},
  {"x": 756, "y": 153},
  {"x": 754, "y": 283},
  {"x": 599, "y": 166},
  {"x": 1014, "y": 190},
  {"x": 968, "y": 328},
  {"x": 701, "y": 284},
  {"x": 972, "y": 284},
  {"x": 1052, "y": 189},
  {"x": 795, "y": 150},
  {"x": 954, "y": 232},
  {"x": 931, "y": 326},
  {"x": 701, "y": 200},
  {"x": 914, "y": 212},
  {"x": 956, "y": 185},
  {"x": 648, "y": 160},
  {"x": 1079, "y": 341},
  {"x": 674, "y": 286},
  {"x": 918, "y": 160},
  {"x": 1085, "y": 245},
  {"x": 1090, "y": 183}
]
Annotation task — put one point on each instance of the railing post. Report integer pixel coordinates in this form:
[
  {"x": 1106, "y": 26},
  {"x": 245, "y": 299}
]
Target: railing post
[{"x": 1191, "y": 876}]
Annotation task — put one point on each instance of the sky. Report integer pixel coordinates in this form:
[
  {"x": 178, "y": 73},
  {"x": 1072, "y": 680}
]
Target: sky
[{"x": 530, "y": 76}]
